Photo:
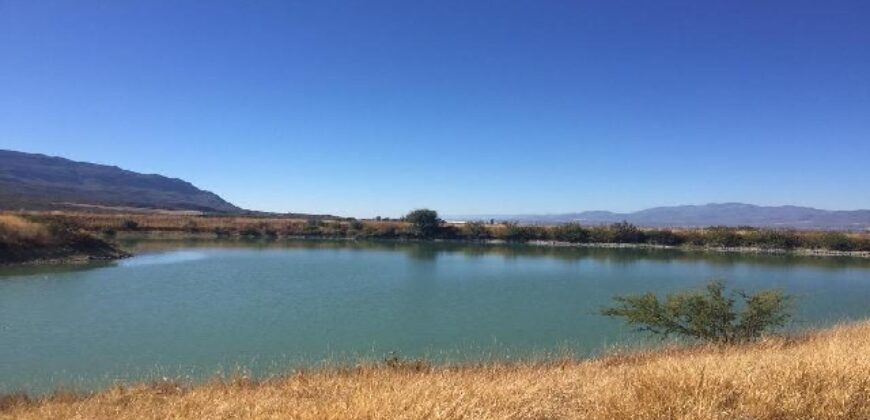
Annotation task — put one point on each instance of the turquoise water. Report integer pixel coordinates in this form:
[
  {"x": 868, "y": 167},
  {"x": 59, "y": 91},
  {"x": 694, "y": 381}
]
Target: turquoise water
[{"x": 196, "y": 309}]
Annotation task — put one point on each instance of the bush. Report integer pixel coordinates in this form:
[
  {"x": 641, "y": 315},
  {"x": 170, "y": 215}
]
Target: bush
[
  {"x": 723, "y": 236},
  {"x": 475, "y": 230},
  {"x": 424, "y": 221},
  {"x": 835, "y": 241},
  {"x": 626, "y": 233},
  {"x": 571, "y": 232},
  {"x": 664, "y": 237},
  {"x": 776, "y": 239},
  {"x": 515, "y": 233},
  {"x": 601, "y": 235},
  {"x": 710, "y": 315},
  {"x": 312, "y": 226}
]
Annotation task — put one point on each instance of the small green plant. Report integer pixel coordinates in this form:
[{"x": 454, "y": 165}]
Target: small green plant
[{"x": 709, "y": 315}]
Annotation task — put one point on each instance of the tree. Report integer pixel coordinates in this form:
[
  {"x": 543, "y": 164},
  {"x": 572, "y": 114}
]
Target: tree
[
  {"x": 708, "y": 315},
  {"x": 625, "y": 232},
  {"x": 424, "y": 221}
]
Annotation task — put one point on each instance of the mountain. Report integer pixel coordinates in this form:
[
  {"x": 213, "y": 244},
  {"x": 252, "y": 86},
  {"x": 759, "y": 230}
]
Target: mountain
[
  {"x": 39, "y": 182},
  {"x": 714, "y": 214}
]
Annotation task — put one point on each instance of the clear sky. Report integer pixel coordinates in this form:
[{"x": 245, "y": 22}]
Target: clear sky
[{"x": 370, "y": 108}]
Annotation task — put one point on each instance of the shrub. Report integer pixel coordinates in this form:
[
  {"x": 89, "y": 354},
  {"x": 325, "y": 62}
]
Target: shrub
[
  {"x": 768, "y": 238},
  {"x": 475, "y": 230},
  {"x": 723, "y": 236},
  {"x": 708, "y": 315},
  {"x": 835, "y": 241},
  {"x": 664, "y": 237},
  {"x": 601, "y": 235},
  {"x": 516, "y": 233},
  {"x": 425, "y": 222},
  {"x": 571, "y": 232},
  {"x": 626, "y": 233},
  {"x": 312, "y": 226}
]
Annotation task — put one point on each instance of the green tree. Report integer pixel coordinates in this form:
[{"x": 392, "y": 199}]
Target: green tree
[
  {"x": 708, "y": 315},
  {"x": 425, "y": 222}
]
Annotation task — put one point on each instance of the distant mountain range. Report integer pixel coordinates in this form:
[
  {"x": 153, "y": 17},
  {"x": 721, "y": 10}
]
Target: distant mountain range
[
  {"x": 38, "y": 182},
  {"x": 714, "y": 214}
]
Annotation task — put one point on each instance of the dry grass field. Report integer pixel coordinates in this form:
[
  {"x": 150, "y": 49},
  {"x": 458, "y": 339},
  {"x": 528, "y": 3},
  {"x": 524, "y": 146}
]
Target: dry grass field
[{"x": 824, "y": 375}]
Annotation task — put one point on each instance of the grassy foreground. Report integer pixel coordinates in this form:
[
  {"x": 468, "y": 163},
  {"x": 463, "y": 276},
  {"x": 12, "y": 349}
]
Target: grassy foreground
[{"x": 823, "y": 375}]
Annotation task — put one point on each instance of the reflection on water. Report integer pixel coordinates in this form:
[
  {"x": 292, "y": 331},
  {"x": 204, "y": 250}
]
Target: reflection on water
[
  {"x": 163, "y": 258},
  {"x": 431, "y": 250}
]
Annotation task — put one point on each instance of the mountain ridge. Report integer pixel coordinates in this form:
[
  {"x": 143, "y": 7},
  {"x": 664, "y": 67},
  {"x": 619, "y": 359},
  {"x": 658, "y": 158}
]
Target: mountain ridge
[
  {"x": 711, "y": 214},
  {"x": 34, "y": 181}
]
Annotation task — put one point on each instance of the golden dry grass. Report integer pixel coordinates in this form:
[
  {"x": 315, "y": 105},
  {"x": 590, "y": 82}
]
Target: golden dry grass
[
  {"x": 15, "y": 229},
  {"x": 825, "y": 375}
]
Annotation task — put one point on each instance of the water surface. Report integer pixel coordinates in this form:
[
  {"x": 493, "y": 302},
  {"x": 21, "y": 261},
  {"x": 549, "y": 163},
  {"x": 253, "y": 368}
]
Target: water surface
[{"x": 194, "y": 309}]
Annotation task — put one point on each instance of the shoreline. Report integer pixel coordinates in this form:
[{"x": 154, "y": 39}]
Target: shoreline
[
  {"x": 807, "y": 252},
  {"x": 77, "y": 259}
]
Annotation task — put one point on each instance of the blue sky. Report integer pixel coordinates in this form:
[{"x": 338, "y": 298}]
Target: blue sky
[{"x": 373, "y": 108}]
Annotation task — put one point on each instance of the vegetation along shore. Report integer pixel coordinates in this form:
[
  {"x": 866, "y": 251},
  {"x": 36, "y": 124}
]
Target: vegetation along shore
[
  {"x": 820, "y": 375},
  {"x": 23, "y": 240},
  {"x": 85, "y": 234}
]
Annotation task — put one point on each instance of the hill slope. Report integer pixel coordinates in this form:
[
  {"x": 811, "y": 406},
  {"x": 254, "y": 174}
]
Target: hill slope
[
  {"x": 38, "y": 182},
  {"x": 714, "y": 214}
]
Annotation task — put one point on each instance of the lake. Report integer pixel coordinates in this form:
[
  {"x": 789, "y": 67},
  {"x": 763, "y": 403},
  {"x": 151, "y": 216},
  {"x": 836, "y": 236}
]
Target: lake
[{"x": 193, "y": 309}]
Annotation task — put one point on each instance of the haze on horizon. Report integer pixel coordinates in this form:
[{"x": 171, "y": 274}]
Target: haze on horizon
[{"x": 375, "y": 108}]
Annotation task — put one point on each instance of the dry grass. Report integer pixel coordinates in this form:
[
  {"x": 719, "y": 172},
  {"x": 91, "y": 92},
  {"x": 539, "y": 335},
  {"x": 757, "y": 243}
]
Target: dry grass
[
  {"x": 16, "y": 230},
  {"x": 822, "y": 376},
  {"x": 167, "y": 222}
]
